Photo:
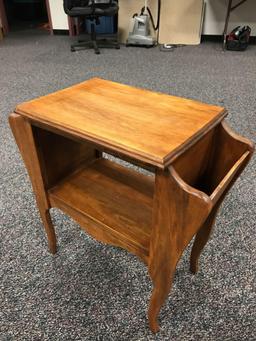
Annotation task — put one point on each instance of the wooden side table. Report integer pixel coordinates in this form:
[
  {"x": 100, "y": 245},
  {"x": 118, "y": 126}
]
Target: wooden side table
[{"x": 193, "y": 154}]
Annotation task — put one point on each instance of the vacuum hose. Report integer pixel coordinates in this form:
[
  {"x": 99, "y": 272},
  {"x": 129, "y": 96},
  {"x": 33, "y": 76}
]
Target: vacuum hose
[{"x": 155, "y": 27}]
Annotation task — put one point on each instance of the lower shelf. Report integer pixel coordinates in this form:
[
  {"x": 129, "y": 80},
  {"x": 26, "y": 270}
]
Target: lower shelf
[{"x": 111, "y": 202}]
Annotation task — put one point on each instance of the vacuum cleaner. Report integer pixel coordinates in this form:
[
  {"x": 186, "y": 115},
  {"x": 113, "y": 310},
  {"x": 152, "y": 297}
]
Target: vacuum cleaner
[{"x": 139, "y": 34}]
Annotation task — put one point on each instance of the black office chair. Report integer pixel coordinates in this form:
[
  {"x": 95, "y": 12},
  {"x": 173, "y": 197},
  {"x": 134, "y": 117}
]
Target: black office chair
[{"x": 93, "y": 10}]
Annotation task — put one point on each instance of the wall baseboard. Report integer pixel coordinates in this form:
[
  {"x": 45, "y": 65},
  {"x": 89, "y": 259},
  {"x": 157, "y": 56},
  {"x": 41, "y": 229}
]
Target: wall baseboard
[
  {"x": 205, "y": 37},
  {"x": 219, "y": 38}
]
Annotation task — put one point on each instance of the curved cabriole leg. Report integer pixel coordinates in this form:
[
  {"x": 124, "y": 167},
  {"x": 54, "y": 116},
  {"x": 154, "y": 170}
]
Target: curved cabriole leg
[
  {"x": 162, "y": 282},
  {"x": 201, "y": 240},
  {"x": 49, "y": 229},
  {"x": 23, "y": 134}
]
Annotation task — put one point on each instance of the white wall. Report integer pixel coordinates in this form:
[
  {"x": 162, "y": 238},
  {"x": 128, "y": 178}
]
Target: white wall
[
  {"x": 216, "y": 11},
  {"x": 214, "y": 15},
  {"x": 59, "y": 18}
]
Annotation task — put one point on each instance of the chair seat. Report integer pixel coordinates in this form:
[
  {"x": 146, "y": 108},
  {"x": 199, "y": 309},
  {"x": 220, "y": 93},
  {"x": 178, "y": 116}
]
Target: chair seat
[{"x": 100, "y": 10}]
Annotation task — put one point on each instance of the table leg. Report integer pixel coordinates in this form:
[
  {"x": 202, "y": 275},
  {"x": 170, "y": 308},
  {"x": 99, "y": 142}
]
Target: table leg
[
  {"x": 162, "y": 282},
  {"x": 178, "y": 212},
  {"x": 49, "y": 229},
  {"x": 23, "y": 134},
  {"x": 226, "y": 23},
  {"x": 163, "y": 250},
  {"x": 201, "y": 240}
]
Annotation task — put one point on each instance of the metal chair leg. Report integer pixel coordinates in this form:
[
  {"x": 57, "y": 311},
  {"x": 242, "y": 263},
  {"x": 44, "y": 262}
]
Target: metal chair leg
[
  {"x": 95, "y": 46},
  {"x": 226, "y": 23},
  {"x": 107, "y": 41}
]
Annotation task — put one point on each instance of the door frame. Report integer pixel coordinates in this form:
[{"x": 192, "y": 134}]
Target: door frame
[
  {"x": 5, "y": 23},
  {"x": 3, "y": 17}
]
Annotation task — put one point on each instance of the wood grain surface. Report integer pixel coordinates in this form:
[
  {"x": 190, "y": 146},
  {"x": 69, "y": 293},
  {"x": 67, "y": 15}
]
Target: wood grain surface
[
  {"x": 24, "y": 137},
  {"x": 59, "y": 156},
  {"x": 193, "y": 153},
  {"x": 117, "y": 199},
  {"x": 148, "y": 126},
  {"x": 178, "y": 212}
]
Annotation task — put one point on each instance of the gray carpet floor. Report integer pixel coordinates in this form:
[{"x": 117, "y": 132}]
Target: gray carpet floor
[{"x": 91, "y": 291}]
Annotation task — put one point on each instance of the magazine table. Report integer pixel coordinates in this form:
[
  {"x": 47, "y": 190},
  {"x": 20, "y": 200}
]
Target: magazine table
[{"x": 192, "y": 153}]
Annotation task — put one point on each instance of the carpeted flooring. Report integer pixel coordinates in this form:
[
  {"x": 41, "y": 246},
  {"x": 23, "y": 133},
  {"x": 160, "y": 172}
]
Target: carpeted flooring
[{"x": 91, "y": 291}]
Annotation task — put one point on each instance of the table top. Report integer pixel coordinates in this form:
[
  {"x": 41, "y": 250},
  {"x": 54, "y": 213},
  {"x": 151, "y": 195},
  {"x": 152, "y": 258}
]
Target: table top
[{"x": 148, "y": 126}]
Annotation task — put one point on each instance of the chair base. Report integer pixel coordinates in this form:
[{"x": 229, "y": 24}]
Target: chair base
[
  {"x": 106, "y": 40},
  {"x": 95, "y": 44}
]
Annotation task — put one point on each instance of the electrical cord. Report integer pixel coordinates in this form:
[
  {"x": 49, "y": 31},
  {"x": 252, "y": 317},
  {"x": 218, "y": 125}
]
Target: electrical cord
[{"x": 155, "y": 27}]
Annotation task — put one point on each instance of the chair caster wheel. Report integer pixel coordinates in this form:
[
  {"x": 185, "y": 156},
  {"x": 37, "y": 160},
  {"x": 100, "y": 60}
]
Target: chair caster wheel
[
  {"x": 117, "y": 47},
  {"x": 72, "y": 49},
  {"x": 97, "y": 52}
]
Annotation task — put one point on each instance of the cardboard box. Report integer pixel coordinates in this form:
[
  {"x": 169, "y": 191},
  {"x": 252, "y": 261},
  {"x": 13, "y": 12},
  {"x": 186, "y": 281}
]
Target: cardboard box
[{"x": 181, "y": 22}]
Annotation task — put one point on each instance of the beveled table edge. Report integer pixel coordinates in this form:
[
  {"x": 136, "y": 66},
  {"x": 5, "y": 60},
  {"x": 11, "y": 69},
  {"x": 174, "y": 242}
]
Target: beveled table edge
[{"x": 133, "y": 153}]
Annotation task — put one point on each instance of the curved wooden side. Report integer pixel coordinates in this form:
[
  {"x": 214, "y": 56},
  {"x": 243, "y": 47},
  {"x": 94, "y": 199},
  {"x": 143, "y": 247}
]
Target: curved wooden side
[
  {"x": 217, "y": 193},
  {"x": 178, "y": 212},
  {"x": 48, "y": 157},
  {"x": 23, "y": 134},
  {"x": 249, "y": 144},
  {"x": 243, "y": 149}
]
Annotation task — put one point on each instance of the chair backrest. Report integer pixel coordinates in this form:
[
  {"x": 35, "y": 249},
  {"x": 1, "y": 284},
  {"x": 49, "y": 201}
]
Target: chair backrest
[
  {"x": 69, "y": 4},
  {"x": 101, "y": 2}
]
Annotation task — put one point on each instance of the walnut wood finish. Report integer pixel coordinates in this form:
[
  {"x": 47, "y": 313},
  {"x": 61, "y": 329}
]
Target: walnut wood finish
[
  {"x": 239, "y": 148},
  {"x": 23, "y": 134},
  {"x": 60, "y": 156},
  {"x": 47, "y": 158},
  {"x": 111, "y": 202},
  {"x": 174, "y": 224},
  {"x": 194, "y": 155},
  {"x": 147, "y": 126}
]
